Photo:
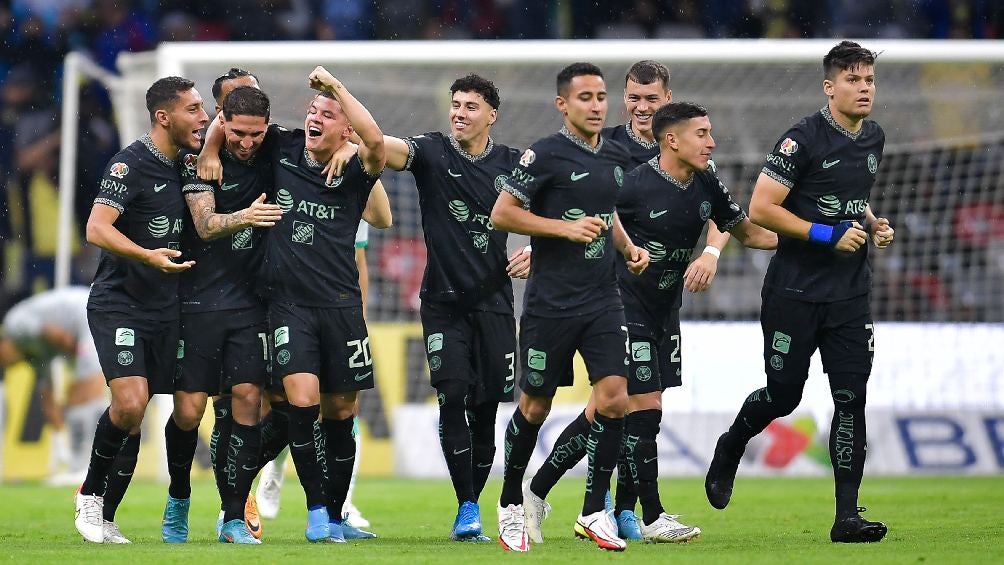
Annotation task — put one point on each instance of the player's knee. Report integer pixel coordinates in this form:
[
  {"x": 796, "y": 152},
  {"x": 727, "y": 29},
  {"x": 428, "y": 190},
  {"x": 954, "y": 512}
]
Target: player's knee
[
  {"x": 452, "y": 395},
  {"x": 127, "y": 413},
  {"x": 784, "y": 397},
  {"x": 246, "y": 403},
  {"x": 534, "y": 408}
]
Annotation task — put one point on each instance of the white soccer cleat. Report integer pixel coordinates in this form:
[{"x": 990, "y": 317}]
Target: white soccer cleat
[
  {"x": 88, "y": 518},
  {"x": 269, "y": 490},
  {"x": 354, "y": 517},
  {"x": 601, "y": 528},
  {"x": 668, "y": 530},
  {"x": 512, "y": 528},
  {"x": 536, "y": 511},
  {"x": 112, "y": 534}
]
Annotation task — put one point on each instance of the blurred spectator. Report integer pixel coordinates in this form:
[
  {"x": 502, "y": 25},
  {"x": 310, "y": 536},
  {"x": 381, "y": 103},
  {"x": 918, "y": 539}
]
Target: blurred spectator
[
  {"x": 344, "y": 19},
  {"x": 121, "y": 26}
]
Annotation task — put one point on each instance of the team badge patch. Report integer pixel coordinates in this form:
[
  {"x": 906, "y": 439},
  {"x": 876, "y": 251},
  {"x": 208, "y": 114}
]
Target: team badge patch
[
  {"x": 619, "y": 175},
  {"x": 191, "y": 163},
  {"x": 119, "y": 170},
  {"x": 527, "y": 158},
  {"x": 872, "y": 163},
  {"x": 705, "y": 211},
  {"x": 788, "y": 146}
]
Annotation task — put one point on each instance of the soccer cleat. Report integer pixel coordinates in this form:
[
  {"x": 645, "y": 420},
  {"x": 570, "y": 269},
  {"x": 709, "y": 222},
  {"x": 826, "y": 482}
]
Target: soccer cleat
[
  {"x": 355, "y": 517},
  {"x": 627, "y": 525},
  {"x": 608, "y": 502},
  {"x": 512, "y": 528},
  {"x": 269, "y": 489},
  {"x": 350, "y": 532},
  {"x": 721, "y": 475},
  {"x": 318, "y": 528},
  {"x": 601, "y": 528},
  {"x": 467, "y": 523},
  {"x": 174, "y": 527},
  {"x": 112, "y": 534},
  {"x": 536, "y": 510},
  {"x": 476, "y": 538},
  {"x": 855, "y": 529},
  {"x": 251, "y": 519},
  {"x": 666, "y": 529},
  {"x": 235, "y": 531},
  {"x": 335, "y": 532},
  {"x": 88, "y": 518}
]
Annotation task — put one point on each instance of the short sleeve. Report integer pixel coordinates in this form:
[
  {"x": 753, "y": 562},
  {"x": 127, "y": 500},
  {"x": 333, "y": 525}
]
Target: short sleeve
[
  {"x": 190, "y": 181},
  {"x": 363, "y": 235},
  {"x": 120, "y": 183},
  {"x": 529, "y": 174},
  {"x": 417, "y": 147},
  {"x": 788, "y": 161},
  {"x": 726, "y": 213},
  {"x": 627, "y": 198}
]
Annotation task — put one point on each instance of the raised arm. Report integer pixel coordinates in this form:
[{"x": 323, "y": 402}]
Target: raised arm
[
  {"x": 372, "y": 149},
  {"x": 101, "y": 231}
]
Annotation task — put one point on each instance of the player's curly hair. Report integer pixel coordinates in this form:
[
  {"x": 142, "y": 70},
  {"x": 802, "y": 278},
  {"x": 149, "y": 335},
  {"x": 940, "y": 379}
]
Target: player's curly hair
[
  {"x": 674, "y": 113},
  {"x": 165, "y": 92},
  {"x": 575, "y": 70},
  {"x": 846, "y": 55},
  {"x": 477, "y": 83}
]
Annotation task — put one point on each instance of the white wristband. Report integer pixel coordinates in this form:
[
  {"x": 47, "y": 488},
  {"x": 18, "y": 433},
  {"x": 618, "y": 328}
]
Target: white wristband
[{"x": 712, "y": 250}]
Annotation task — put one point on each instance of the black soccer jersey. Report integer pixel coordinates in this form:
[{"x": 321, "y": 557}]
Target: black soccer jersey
[
  {"x": 830, "y": 172},
  {"x": 667, "y": 217},
  {"x": 641, "y": 151},
  {"x": 456, "y": 190},
  {"x": 562, "y": 177},
  {"x": 145, "y": 187},
  {"x": 310, "y": 253},
  {"x": 225, "y": 275}
]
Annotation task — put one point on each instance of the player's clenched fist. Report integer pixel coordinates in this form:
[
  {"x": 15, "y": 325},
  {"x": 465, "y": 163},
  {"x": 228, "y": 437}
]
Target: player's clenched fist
[
  {"x": 637, "y": 259},
  {"x": 584, "y": 230},
  {"x": 882, "y": 233},
  {"x": 321, "y": 79},
  {"x": 852, "y": 239}
]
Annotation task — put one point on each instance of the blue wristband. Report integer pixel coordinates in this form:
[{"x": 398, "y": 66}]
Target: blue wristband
[{"x": 821, "y": 234}]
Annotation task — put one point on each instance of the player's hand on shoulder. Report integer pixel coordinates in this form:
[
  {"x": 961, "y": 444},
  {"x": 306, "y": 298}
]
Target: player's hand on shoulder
[
  {"x": 700, "y": 273},
  {"x": 584, "y": 230},
  {"x": 322, "y": 80},
  {"x": 852, "y": 239},
  {"x": 261, "y": 214},
  {"x": 519, "y": 263},
  {"x": 882, "y": 233},
  {"x": 339, "y": 159},
  {"x": 162, "y": 259},
  {"x": 210, "y": 168},
  {"x": 637, "y": 259}
]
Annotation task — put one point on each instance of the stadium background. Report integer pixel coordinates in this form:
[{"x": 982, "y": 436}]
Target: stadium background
[{"x": 940, "y": 181}]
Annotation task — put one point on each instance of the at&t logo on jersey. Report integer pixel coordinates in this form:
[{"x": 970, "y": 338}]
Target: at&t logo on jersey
[
  {"x": 831, "y": 206},
  {"x": 119, "y": 170}
]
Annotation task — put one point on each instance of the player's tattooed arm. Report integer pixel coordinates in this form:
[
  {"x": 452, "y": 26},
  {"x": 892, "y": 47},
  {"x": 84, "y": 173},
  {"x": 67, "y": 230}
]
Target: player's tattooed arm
[
  {"x": 210, "y": 168},
  {"x": 210, "y": 225},
  {"x": 101, "y": 231},
  {"x": 637, "y": 257}
]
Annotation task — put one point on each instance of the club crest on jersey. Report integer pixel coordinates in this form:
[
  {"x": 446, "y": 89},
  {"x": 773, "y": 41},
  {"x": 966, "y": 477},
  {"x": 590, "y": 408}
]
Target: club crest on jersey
[
  {"x": 191, "y": 163},
  {"x": 527, "y": 158},
  {"x": 119, "y": 170},
  {"x": 872, "y": 163},
  {"x": 705, "y": 210},
  {"x": 619, "y": 175},
  {"x": 788, "y": 147},
  {"x": 335, "y": 182},
  {"x": 501, "y": 182}
]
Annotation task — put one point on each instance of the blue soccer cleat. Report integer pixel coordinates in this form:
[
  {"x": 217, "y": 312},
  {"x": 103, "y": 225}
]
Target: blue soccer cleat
[
  {"x": 608, "y": 502},
  {"x": 174, "y": 527},
  {"x": 467, "y": 523},
  {"x": 235, "y": 531},
  {"x": 627, "y": 525},
  {"x": 317, "y": 525},
  {"x": 350, "y": 532}
]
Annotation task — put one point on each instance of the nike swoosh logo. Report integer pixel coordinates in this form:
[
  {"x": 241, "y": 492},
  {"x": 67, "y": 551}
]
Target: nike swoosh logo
[
  {"x": 121, "y": 474},
  {"x": 653, "y": 214},
  {"x": 827, "y": 165},
  {"x": 464, "y": 450},
  {"x": 285, "y": 161},
  {"x": 363, "y": 376},
  {"x": 484, "y": 465},
  {"x": 159, "y": 187},
  {"x": 602, "y": 470},
  {"x": 246, "y": 468},
  {"x": 508, "y": 389},
  {"x": 252, "y": 526},
  {"x": 650, "y": 460},
  {"x": 294, "y": 444},
  {"x": 343, "y": 460},
  {"x": 225, "y": 186},
  {"x": 453, "y": 174},
  {"x": 578, "y": 176}
]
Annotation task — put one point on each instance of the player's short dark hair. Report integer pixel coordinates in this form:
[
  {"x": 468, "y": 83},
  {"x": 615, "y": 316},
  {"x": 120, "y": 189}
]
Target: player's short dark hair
[
  {"x": 233, "y": 73},
  {"x": 647, "y": 72},
  {"x": 165, "y": 92},
  {"x": 674, "y": 113},
  {"x": 477, "y": 83},
  {"x": 846, "y": 55},
  {"x": 575, "y": 70},
  {"x": 246, "y": 101}
]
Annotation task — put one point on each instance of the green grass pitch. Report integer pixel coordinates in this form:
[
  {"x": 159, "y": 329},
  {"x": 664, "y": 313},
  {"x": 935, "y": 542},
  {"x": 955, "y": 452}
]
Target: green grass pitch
[{"x": 932, "y": 520}]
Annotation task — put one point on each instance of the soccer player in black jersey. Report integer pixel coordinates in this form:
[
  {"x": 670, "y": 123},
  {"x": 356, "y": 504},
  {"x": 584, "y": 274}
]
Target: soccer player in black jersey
[
  {"x": 569, "y": 182},
  {"x": 467, "y": 298},
  {"x": 321, "y": 344},
  {"x": 223, "y": 325},
  {"x": 133, "y": 309},
  {"x": 814, "y": 192}
]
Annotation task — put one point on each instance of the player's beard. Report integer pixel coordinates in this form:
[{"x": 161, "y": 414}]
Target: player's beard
[{"x": 181, "y": 135}]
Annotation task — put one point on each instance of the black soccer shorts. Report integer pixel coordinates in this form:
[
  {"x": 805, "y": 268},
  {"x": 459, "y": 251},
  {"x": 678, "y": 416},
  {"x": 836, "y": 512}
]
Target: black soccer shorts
[
  {"x": 471, "y": 346},
  {"x": 221, "y": 349},
  {"x": 547, "y": 346},
  {"x": 793, "y": 330},
  {"x": 332, "y": 343},
  {"x": 655, "y": 360},
  {"x": 130, "y": 345}
]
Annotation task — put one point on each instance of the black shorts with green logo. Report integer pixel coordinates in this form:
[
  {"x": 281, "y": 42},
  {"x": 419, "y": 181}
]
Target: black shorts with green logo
[
  {"x": 547, "y": 346},
  {"x": 655, "y": 361},
  {"x": 221, "y": 349},
  {"x": 130, "y": 345},
  {"x": 794, "y": 329},
  {"x": 472, "y": 346},
  {"x": 332, "y": 343}
]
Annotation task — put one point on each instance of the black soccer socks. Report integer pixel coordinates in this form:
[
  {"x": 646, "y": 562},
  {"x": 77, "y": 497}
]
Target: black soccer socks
[
  {"x": 848, "y": 441},
  {"x": 306, "y": 445},
  {"x": 120, "y": 476},
  {"x": 455, "y": 437},
  {"x": 602, "y": 447},
  {"x": 520, "y": 439},
  {"x": 108, "y": 441},
  {"x": 340, "y": 456},
  {"x": 274, "y": 432},
  {"x": 180, "y": 453},
  {"x": 481, "y": 420},
  {"x": 640, "y": 432},
  {"x": 762, "y": 407},
  {"x": 568, "y": 450},
  {"x": 222, "y": 424},
  {"x": 241, "y": 467}
]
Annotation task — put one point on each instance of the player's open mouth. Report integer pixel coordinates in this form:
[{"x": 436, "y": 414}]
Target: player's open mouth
[
  {"x": 459, "y": 126},
  {"x": 197, "y": 134},
  {"x": 313, "y": 131},
  {"x": 864, "y": 100},
  {"x": 642, "y": 118}
]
